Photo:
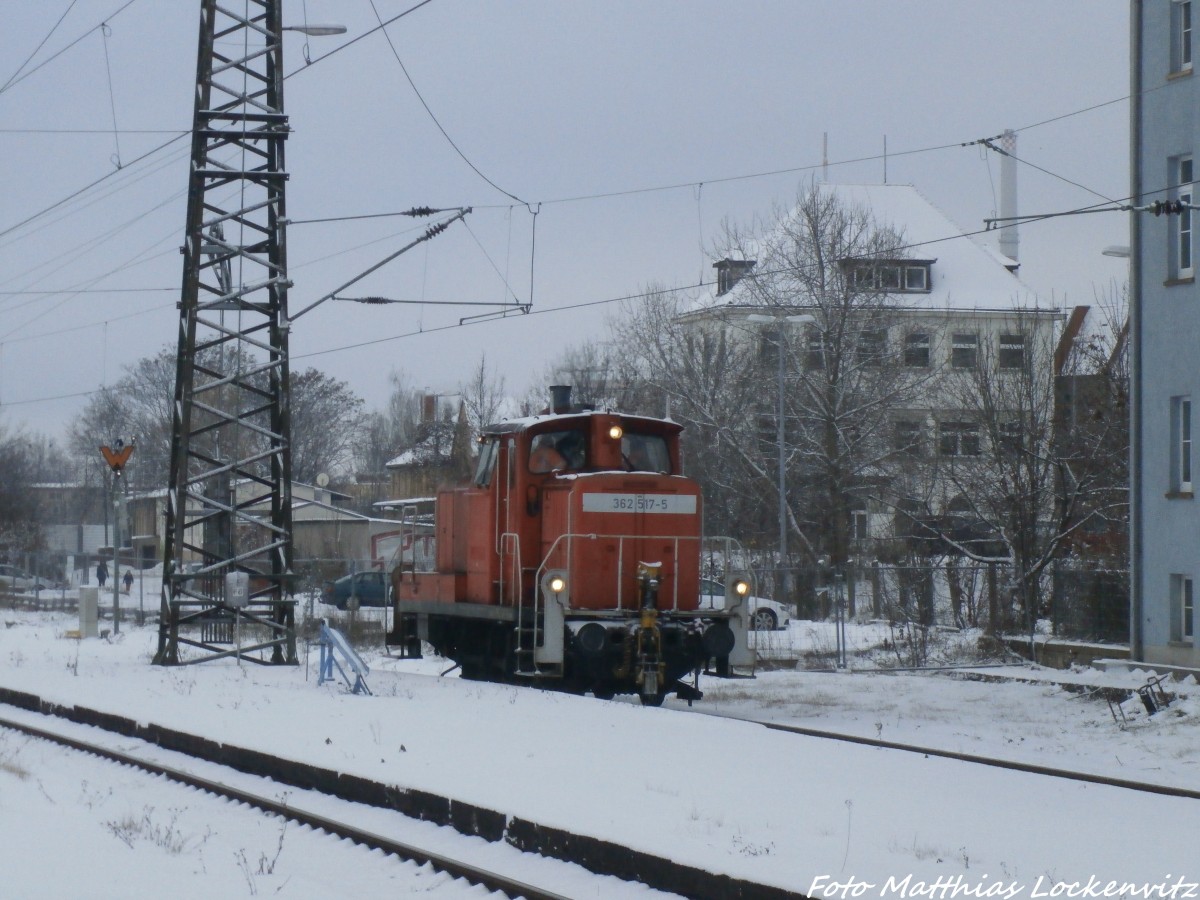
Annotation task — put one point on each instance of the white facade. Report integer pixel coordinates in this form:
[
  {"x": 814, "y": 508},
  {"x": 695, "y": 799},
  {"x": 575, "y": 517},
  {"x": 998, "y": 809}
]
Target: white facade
[{"x": 964, "y": 308}]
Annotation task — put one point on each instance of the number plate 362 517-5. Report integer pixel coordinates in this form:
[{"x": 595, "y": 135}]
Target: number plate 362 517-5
[{"x": 640, "y": 503}]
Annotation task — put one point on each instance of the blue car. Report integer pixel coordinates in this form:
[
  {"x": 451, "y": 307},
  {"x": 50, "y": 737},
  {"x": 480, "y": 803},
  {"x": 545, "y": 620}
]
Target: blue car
[{"x": 371, "y": 589}]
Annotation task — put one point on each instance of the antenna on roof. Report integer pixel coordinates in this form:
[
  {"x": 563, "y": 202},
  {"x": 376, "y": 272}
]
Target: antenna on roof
[
  {"x": 885, "y": 159},
  {"x": 825, "y": 156}
]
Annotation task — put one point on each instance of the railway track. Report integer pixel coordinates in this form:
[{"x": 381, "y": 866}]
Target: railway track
[
  {"x": 602, "y": 858},
  {"x": 337, "y": 828},
  {"x": 995, "y": 762}
]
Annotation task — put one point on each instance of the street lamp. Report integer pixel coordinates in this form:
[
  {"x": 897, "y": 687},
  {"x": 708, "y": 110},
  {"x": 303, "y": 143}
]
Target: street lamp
[
  {"x": 316, "y": 30},
  {"x": 780, "y": 322}
]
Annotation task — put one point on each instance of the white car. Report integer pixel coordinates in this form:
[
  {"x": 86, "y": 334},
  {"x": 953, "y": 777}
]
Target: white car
[
  {"x": 12, "y": 579},
  {"x": 765, "y": 615}
]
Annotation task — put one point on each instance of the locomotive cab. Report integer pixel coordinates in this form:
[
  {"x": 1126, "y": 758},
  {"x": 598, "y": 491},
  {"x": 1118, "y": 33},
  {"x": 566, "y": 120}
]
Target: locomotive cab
[{"x": 572, "y": 557}]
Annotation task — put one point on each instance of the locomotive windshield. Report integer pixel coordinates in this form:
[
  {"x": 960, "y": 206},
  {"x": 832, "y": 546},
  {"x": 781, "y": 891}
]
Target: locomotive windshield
[
  {"x": 557, "y": 451},
  {"x": 645, "y": 453}
]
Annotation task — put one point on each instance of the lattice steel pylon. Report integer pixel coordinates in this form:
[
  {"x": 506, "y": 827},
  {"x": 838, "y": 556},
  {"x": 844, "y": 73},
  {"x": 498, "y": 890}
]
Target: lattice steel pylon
[{"x": 227, "y": 555}]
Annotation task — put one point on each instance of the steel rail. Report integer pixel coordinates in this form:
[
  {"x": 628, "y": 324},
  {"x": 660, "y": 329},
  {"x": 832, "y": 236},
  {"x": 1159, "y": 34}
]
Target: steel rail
[
  {"x": 1032, "y": 768},
  {"x": 473, "y": 874}
]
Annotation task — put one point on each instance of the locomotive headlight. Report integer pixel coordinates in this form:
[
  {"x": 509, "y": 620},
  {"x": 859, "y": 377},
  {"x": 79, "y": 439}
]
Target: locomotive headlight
[
  {"x": 615, "y": 432},
  {"x": 556, "y": 587},
  {"x": 741, "y": 587}
]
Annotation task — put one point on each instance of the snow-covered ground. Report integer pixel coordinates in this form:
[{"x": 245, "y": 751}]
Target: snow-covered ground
[{"x": 715, "y": 793}]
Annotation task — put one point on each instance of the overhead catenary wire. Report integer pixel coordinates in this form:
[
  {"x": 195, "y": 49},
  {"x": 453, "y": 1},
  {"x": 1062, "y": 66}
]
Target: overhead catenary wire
[
  {"x": 56, "y": 204},
  {"x": 643, "y": 295},
  {"x": 434, "y": 118},
  {"x": 990, "y": 144},
  {"x": 431, "y": 232},
  {"x": 41, "y": 44},
  {"x": 87, "y": 187},
  {"x": 75, "y": 289},
  {"x": 15, "y": 80},
  {"x": 701, "y": 281},
  {"x": 112, "y": 97},
  {"x": 566, "y": 308},
  {"x": 121, "y": 180}
]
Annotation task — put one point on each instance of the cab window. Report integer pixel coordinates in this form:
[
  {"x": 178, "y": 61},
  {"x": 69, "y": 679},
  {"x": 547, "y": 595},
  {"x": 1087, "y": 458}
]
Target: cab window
[
  {"x": 556, "y": 451},
  {"x": 645, "y": 453},
  {"x": 487, "y": 463}
]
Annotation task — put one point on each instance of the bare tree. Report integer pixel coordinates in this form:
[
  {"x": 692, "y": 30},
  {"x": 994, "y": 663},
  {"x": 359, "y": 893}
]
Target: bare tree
[
  {"x": 598, "y": 376},
  {"x": 1028, "y": 486},
  {"x": 384, "y": 433},
  {"x": 139, "y": 405},
  {"x": 703, "y": 375},
  {"x": 483, "y": 395},
  {"x": 20, "y": 529},
  {"x": 1092, "y": 423},
  {"x": 843, "y": 379},
  {"x": 326, "y": 417}
]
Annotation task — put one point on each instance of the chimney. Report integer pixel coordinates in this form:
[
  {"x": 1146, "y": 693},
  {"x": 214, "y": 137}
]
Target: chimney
[
  {"x": 560, "y": 398},
  {"x": 730, "y": 272},
  {"x": 1008, "y": 196},
  {"x": 429, "y": 407}
]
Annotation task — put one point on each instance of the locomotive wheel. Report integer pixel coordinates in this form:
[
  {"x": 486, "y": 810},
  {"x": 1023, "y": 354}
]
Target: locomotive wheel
[
  {"x": 603, "y": 692},
  {"x": 655, "y": 700}
]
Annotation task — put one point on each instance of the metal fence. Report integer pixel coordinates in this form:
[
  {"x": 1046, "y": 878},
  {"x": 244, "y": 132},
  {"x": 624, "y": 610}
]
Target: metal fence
[{"x": 1070, "y": 601}]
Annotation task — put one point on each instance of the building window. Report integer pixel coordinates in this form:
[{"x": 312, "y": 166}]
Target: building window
[
  {"x": 871, "y": 346},
  {"x": 770, "y": 347},
  {"x": 1183, "y": 609},
  {"x": 1181, "y": 445},
  {"x": 1012, "y": 351},
  {"x": 965, "y": 351},
  {"x": 906, "y": 437},
  {"x": 814, "y": 349},
  {"x": 859, "y": 524},
  {"x": 862, "y": 278},
  {"x": 891, "y": 275},
  {"x": 916, "y": 350},
  {"x": 916, "y": 278},
  {"x": 1182, "y": 253},
  {"x": 958, "y": 439},
  {"x": 1181, "y": 36},
  {"x": 1010, "y": 437}
]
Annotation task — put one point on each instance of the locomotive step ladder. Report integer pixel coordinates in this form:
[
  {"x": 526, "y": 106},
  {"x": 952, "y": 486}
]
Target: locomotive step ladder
[
  {"x": 528, "y": 649},
  {"x": 404, "y": 634},
  {"x": 525, "y": 634}
]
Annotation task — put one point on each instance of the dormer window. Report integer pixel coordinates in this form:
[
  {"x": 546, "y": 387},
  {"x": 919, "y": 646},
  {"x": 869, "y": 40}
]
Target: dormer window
[
  {"x": 892, "y": 276},
  {"x": 916, "y": 278}
]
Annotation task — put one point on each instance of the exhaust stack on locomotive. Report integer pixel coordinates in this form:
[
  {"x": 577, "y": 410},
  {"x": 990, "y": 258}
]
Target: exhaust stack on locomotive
[{"x": 571, "y": 559}]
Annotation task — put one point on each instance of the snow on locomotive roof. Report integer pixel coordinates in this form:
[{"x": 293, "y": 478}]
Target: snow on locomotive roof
[{"x": 510, "y": 426}]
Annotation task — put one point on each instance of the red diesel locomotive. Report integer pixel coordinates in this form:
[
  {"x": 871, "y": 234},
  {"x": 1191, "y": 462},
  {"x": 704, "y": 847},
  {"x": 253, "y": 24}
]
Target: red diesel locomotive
[{"x": 571, "y": 560}]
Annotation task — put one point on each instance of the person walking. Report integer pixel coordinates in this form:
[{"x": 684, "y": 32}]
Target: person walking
[
  {"x": 128, "y": 580},
  {"x": 101, "y": 573}
]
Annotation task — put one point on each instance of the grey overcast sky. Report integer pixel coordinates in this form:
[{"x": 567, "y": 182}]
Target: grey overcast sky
[{"x": 672, "y": 109}]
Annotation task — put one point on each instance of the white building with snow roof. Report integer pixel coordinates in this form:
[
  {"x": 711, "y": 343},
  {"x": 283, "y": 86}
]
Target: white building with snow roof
[{"x": 953, "y": 304}]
